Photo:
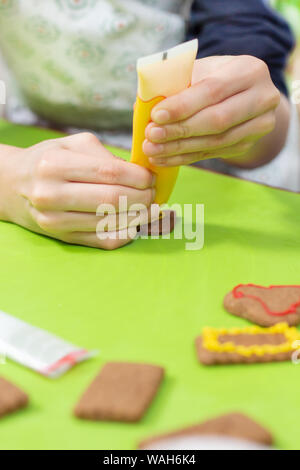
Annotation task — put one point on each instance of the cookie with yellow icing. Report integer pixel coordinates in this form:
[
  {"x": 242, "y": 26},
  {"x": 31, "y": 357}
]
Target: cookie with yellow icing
[{"x": 247, "y": 345}]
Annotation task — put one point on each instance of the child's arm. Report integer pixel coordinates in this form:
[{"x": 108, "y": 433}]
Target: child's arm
[{"x": 55, "y": 188}]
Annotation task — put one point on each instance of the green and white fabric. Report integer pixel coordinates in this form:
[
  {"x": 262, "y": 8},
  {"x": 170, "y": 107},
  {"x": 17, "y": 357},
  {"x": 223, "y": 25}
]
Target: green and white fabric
[{"x": 75, "y": 60}]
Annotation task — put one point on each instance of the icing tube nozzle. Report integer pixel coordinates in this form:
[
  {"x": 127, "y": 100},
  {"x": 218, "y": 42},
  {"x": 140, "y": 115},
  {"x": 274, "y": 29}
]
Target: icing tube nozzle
[{"x": 159, "y": 76}]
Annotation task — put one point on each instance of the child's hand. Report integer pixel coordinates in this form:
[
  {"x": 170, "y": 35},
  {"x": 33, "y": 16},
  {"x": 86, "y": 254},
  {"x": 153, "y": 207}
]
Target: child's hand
[
  {"x": 55, "y": 188},
  {"x": 229, "y": 107}
]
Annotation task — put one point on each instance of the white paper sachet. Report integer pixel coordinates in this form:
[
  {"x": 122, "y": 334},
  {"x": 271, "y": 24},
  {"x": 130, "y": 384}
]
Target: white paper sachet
[{"x": 37, "y": 349}]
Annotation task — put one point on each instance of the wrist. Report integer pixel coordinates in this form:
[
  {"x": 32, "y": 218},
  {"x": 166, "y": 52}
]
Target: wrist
[{"x": 6, "y": 152}]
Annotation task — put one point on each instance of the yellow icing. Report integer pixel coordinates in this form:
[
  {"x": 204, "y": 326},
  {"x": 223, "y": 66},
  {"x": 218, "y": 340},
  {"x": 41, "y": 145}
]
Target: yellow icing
[
  {"x": 166, "y": 78},
  {"x": 160, "y": 76},
  {"x": 165, "y": 177},
  {"x": 211, "y": 340}
]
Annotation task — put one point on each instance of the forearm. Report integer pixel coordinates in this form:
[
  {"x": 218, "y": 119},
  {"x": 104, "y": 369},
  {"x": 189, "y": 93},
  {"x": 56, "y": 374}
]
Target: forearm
[
  {"x": 269, "y": 146},
  {"x": 5, "y": 152}
]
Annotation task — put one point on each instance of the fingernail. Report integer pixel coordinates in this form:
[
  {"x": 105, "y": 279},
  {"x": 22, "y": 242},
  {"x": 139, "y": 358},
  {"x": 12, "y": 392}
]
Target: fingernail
[
  {"x": 154, "y": 178},
  {"x": 161, "y": 116},
  {"x": 157, "y": 133},
  {"x": 152, "y": 149}
]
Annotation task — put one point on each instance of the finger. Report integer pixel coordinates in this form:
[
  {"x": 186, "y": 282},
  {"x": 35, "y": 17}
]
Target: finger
[
  {"x": 255, "y": 128},
  {"x": 88, "y": 197},
  {"x": 121, "y": 221},
  {"x": 79, "y": 197},
  {"x": 112, "y": 241},
  {"x": 186, "y": 159},
  {"x": 60, "y": 222},
  {"x": 238, "y": 150},
  {"x": 83, "y": 168},
  {"x": 63, "y": 222},
  {"x": 217, "y": 119},
  {"x": 211, "y": 90}
]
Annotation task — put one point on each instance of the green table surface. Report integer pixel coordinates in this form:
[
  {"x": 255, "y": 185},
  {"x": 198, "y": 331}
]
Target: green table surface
[{"x": 147, "y": 302}]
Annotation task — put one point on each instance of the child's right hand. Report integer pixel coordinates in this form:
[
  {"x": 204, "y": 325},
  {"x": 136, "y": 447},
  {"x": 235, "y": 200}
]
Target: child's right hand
[{"x": 55, "y": 187}]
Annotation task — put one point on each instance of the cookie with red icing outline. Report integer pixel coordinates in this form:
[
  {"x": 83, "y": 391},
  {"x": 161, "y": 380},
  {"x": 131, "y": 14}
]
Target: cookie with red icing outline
[{"x": 265, "y": 306}]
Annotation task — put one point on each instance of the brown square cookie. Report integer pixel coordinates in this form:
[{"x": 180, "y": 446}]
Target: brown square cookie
[
  {"x": 121, "y": 392},
  {"x": 234, "y": 425},
  {"x": 247, "y": 345},
  {"x": 11, "y": 398},
  {"x": 265, "y": 306}
]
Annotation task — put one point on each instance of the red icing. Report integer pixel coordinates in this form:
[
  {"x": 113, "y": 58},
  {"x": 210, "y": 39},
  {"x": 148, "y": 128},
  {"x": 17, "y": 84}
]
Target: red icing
[
  {"x": 71, "y": 359},
  {"x": 238, "y": 295}
]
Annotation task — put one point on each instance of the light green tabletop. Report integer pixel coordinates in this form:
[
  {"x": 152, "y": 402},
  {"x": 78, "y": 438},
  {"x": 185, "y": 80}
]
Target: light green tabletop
[{"x": 147, "y": 302}]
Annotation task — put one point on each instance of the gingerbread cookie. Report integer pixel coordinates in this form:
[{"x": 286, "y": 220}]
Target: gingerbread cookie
[
  {"x": 163, "y": 226},
  {"x": 234, "y": 425},
  {"x": 121, "y": 392},
  {"x": 265, "y": 306},
  {"x": 11, "y": 398},
  {"x": 247, "y": 345}
]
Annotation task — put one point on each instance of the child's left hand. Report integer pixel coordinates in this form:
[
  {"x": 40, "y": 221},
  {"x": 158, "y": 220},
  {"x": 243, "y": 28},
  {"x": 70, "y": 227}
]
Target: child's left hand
[{"x": 229, "y": 107}]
